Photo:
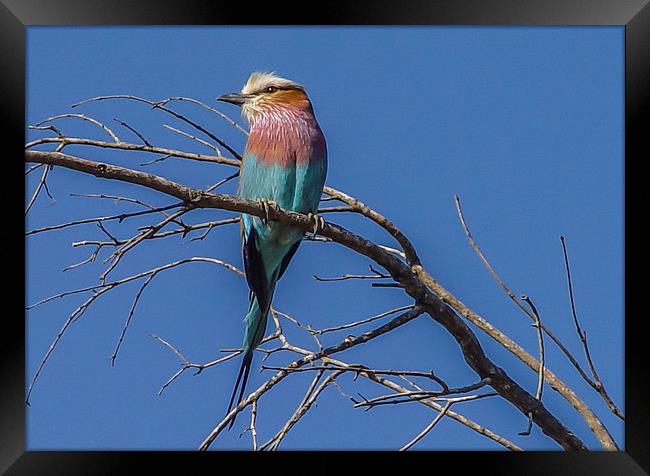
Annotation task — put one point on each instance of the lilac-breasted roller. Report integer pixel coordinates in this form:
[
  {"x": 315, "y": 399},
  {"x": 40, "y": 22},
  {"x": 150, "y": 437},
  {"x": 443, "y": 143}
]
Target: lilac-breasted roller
[{"x": 284, "y": 164}]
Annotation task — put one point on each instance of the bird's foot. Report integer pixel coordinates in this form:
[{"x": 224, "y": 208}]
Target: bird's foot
[
  {"x": 319, "y": 222},
  {"x": 268, "y": 205}
]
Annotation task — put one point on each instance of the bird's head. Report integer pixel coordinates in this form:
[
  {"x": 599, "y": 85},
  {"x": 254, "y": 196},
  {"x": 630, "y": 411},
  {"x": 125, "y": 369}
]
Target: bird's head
[{"x": 267, "y": 92}]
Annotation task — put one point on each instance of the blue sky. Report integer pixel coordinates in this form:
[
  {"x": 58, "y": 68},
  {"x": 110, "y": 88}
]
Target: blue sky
[{"x": 524, "y": 124}]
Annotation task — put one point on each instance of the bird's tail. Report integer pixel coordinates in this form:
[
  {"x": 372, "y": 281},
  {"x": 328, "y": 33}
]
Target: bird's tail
[
  {"x": 253, "y": 334},
  {"x": 262, "y": 273}
]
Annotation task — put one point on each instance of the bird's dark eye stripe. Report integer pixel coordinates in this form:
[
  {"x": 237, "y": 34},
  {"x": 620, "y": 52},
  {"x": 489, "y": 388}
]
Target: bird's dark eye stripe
[{"x": 271, "y": 89}]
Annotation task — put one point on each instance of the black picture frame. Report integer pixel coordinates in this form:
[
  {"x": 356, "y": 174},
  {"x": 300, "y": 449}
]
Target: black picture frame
[{"x": 16, "y": 15}]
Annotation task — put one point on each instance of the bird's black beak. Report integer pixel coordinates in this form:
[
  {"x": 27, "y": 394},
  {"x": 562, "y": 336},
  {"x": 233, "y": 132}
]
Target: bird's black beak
[{"x": 237, "y": 99}]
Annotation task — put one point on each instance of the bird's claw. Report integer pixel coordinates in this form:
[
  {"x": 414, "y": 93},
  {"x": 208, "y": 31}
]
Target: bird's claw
[
  {"x": 267, "y": 205},
  {"x": 319, "y": 222}
]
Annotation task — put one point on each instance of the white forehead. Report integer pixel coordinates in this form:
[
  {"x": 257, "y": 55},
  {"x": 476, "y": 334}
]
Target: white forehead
[{"x": 260, "y": 80}]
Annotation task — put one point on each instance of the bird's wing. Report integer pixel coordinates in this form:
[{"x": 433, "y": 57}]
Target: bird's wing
[{"x": 255, "y": 270}]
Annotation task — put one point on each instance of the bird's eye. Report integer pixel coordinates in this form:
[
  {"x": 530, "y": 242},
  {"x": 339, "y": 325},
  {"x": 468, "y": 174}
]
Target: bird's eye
[{"x": 271, "y": 89}]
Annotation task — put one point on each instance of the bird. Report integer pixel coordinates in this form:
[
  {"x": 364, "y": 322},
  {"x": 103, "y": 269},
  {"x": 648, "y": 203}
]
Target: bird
[{"x": 284, "y": 165}]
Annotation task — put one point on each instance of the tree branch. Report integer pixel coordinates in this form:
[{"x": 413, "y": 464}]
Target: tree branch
[{"x": 413, "y": 278}]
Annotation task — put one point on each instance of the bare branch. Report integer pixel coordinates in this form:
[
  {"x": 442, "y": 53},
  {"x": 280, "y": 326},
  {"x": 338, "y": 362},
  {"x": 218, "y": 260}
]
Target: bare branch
[
  {"x": 346, "y": 344},
  {"x": 222, "y": 182},
  {"x": 121, "y": 217},
  {"x": 252, "y": 428},
  {"x": 113, "y": 284},
  {"x": 171, "y": 347},
  {"x": 597, "y": 384},
  {"x": 101, "y": 125},
  {"x": 99, "y": 290},
  {"x": 128, "y": 319},
  {"x": 76, "y": 314},
  {"x": 540, "y": 376},
  {"x": 41, "y": 185},
  {"x": 428, "y": 428},
  {"x": 340, "y": 209},
  {"x": 511, "y": 294},
  {"x": 32, "y": 168},
  {"x": 363, "y": 321},
  {"x": 275, "y": 313},
  {"x": 140, "y": 136},
  {"x": 376, "y": 275},
  {"x": 310, "y": 397},
  {"x": 540, "y": 346},
  {"x": 415, "y": 280},
  {"x": 186, "y": 364},
  {"x": 587, "y": 414},
  {"x": 410, "y": 276},
  {"x": 184, "y": 230},
  {"x": 90, "y": 259},
  {"x": 118, "y": 198},
  {"x": 397, "y": 398},
  {"x": 429, "y": 403},
  {"x": 48, "y": 127},
  {"x": 194, "y": 138},
  {"x": 409, "y": 250},
  {"x": 211, "y": 109},
  {"x": 357, "y": 368},
  {"x": 135, "y": 147},
  {"x": 161, "y": 105},
  {"x": 133, "y": 242}
]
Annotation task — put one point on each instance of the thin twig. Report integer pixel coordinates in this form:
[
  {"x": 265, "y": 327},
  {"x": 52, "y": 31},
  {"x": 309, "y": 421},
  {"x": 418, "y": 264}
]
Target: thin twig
[
  {"x": 429, "y": 403},
  {"x": 310, "y": 397},
  {"x": 275, "y": 313},
  {"x": 90, "y": 259},
  {"x": 113, "y": 284},
  {"x": 125, "y": 146},
  {"x": 161, "y": 105},
  {"x": 211, "y": 109},
  {"x": 133, "y": 242},
  {"x": 120, "y": 218},
  {"x": 222, "y": 182},
  {"x": 409, "y": 254},
  {"x": 540, "y": 346},
  {"x": 76, "y": 314},
  {"x": 252, "y": 428},
  {"x": 397, "y": 398},
  {"x": 48, "y": 127},
  {"x": 358, "y": 323},
  {"x": 119, "y": 198},
  {"x": 32, "y": 168},
  {"x": 41, "y": 184},
  {"x": 597, "y": 384},
  {"x": 376, "y": 275},
  {"x": 412, "y": 286},
  {"x": 130, "y": 316},
  {"x": 140, "y": 136},
  {"x": 186, "y": 364},
  {"x": 429, "y": 427},
  {"x": 540, "y": 375},
  {"x": 98, "y": 291},
  {"x": 184, "y": 230},
  {"x": 594, "y": 384},
  {"x": 194, "y": 138},
  {"x": 84, "y": 117},
  {"x": 346, "y": 344},
  {"x": 362, "y": 368}
]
